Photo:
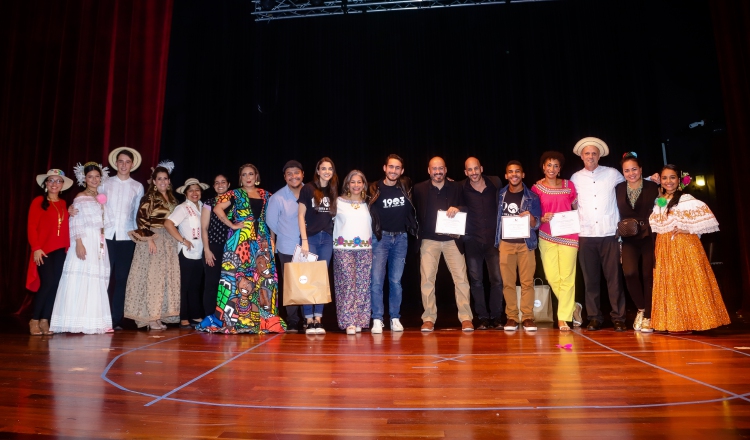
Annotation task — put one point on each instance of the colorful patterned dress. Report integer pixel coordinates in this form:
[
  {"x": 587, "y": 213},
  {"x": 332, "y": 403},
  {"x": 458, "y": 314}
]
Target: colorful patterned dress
[
  {"x": 248, "y": 286},
  {"x": 686, "y": 294}
]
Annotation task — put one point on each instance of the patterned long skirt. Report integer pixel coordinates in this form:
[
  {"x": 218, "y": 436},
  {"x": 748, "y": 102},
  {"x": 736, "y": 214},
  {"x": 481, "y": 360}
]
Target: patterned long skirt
[
  {"x": 351, "y": 279},
  {"x": 153, "y": 289},
  {"x": 686, "y": 294}
]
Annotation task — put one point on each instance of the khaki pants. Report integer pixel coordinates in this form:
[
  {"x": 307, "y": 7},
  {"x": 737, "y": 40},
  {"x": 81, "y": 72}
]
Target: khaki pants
[
  {"x": 430, "y": 257},
  {"x": 518, "y": 256}
]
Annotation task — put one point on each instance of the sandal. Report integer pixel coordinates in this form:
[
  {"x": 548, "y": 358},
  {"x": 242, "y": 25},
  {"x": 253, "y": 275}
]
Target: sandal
[
  {"x": 34, "y": 328},
  {"x": 563, "y": 326}
]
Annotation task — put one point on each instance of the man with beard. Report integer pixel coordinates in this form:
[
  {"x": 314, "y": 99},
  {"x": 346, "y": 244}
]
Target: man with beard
[
  {"x": 431, "y": 196},
  {"x": 517, "y": 254},
  {"x": 393, "y": 217},
  {"x": 281, "y": 217},
  {"x": 480, "y": 196}
]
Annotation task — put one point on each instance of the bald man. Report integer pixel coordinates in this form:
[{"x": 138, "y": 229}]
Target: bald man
[
  {"x": 431, "y": 196},
  {"x": 480, "y": 193}
]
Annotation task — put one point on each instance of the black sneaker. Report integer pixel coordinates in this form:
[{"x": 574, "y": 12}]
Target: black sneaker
[{"x": 484, "y": 324}]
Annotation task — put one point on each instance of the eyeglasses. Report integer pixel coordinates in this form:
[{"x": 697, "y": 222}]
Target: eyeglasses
[{"x": 55, "y": 181}]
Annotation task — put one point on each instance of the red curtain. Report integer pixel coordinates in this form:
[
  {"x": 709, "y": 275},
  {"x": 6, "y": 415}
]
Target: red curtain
[
  {"x": 78, "y": 78},
  {"x": 731, "y": 22}
]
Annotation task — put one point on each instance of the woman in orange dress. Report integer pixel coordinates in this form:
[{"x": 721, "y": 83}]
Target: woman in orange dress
[{"x": 686, "y": 295}]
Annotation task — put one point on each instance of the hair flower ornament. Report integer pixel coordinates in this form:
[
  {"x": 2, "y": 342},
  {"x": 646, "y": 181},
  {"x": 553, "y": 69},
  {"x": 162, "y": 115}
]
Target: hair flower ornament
[
  {"x": 685, "y": 180},
  {"x": 81, "y": 178},
  {"x": 168, "y": 164}
]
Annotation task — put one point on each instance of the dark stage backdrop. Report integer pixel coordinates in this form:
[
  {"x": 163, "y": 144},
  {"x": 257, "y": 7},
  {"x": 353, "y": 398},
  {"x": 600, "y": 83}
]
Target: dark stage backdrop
[
  {"x": 77, "y": 78},
  {"x": 499, "y": 82}
]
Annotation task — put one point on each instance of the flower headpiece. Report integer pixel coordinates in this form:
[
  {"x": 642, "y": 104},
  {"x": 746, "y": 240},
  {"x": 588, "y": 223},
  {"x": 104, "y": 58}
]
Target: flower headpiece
[
  {"x": 168, "y": 164},
  {"x": 629, "y": 154},
  {"x": 685, "y": 180},
  {"x": 81, "y": 178}
]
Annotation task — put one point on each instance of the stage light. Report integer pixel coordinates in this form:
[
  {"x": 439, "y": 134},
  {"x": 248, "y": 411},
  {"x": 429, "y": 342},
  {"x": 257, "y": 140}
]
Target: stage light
[{"x": 700, "y": 180}]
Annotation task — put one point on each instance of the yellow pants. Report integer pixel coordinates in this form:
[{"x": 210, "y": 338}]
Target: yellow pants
[{"x": 559, "y": 263}]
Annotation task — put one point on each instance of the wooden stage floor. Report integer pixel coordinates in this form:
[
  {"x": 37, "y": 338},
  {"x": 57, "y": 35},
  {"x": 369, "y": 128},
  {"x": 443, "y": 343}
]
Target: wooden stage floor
[{"x": 448, "y": 384}]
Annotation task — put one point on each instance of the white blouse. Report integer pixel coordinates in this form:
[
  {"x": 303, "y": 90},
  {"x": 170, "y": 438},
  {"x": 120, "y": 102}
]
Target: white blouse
[
  {"x": 352, "y": 226},
  {"x": 689, "y": 214},
  {"x": 187, "y": 218}
]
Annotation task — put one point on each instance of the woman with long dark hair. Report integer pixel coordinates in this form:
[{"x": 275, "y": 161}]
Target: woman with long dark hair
[
  {"x": 317, "y": 207},
  {"x": 246, "y": 300},
  {"x": 635, "y": 202},
  {"x": 686, "y": 295},
  {"x": 214, "y": 235},
  {"x": 152, "y": 295},
  {"x": 82, "y": 302},
  {"x": 49, "y": 238}
]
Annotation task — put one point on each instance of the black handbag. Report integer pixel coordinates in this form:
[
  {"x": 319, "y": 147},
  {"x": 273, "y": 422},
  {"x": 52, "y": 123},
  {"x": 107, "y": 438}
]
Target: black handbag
[{"x": 629, "y": 227}]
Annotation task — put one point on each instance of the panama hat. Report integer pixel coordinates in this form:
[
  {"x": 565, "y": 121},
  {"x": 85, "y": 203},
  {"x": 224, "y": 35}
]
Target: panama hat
[
  {"x": 191, "y": 181},
  {"x": 114, "y": 153},
  {"x": 67, "y": 182},
  {"x": 585, "y": 142}
]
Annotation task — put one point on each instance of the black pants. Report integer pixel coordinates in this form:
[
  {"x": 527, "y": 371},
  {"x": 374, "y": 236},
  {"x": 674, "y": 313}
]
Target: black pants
[
  {"x": 120, "y": 258},
  {"x": 597, "y": 254},
  {"x": 477, "y": 254},
  {"x": 191, "y": 305},
  {"x": 211, "y": 276},
  {"x": 49, "y": 278},
  {"x": 293, "y": 313},
  {"x": 635, "y": 252}
]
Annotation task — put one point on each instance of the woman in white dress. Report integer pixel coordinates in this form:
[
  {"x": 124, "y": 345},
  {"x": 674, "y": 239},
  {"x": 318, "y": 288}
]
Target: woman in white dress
[{"x": 82, "y": 304}]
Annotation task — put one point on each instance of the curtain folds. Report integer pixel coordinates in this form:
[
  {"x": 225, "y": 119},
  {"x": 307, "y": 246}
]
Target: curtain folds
[
  {"x": 731, "y": 23},
  {"x": 79, "y": 77}
]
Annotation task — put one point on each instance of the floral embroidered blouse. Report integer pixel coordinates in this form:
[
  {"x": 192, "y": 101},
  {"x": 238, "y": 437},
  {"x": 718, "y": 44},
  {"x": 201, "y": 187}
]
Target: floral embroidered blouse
[{"x": 352, "y": 226}]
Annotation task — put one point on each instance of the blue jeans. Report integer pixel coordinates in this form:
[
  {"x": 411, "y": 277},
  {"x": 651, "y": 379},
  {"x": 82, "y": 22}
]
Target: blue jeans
[
  {"x": 390, "y": 250},
  {"x": 320, "y": 244}
]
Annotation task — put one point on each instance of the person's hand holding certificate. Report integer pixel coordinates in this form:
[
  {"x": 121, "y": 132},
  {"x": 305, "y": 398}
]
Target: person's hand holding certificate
[
  {"x": 516, "y": 226},
  {"x": 564, "y": 223},
  {"x": 450, "y": 226}
]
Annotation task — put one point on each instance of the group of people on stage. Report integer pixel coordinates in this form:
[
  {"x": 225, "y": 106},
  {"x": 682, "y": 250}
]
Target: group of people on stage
[{"x": 211, "y": 264}]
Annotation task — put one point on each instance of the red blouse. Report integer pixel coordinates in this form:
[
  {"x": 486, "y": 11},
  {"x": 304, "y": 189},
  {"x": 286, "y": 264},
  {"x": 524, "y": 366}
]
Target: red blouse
[{"x": 42, "y": 232}]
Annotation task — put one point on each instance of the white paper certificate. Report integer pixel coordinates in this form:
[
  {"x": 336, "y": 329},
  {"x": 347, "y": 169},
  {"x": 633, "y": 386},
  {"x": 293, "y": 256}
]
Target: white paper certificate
[
  {"x": 564, "y": 223},
  {"x": 515, "y": 226},
  {"x": 297, "y": 257},
  {"x": 451, "y": 226}
]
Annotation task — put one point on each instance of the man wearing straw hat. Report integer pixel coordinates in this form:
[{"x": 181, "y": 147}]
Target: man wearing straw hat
[{"x": 123, "y": 197}]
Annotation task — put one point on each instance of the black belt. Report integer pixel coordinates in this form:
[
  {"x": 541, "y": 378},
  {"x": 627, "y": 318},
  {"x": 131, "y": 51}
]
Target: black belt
[{"x": 392, "y": 233}]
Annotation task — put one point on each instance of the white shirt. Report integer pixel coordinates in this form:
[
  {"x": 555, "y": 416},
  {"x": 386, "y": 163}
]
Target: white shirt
[
  {"x": 597, "y": 203},
  {"x": 352, "y": 228},
  {"x": 123, "y": 199},
  {"x": 188, "y": 221}
]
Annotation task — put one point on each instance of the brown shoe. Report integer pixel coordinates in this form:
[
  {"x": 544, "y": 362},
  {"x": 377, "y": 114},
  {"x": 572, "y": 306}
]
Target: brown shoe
[
  {"x": 511, "y": 325},
  {"x": 428, "y": 326},
  {"x": 529, "y": 325},
  {"x": 44, "y": 325},
  {"x": 467, "y": 326},
  {"x": 34, "y": 328}
]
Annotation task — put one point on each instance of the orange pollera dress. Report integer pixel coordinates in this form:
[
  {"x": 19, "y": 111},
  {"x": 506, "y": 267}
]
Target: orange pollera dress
[{"x": 686, "y": 294}]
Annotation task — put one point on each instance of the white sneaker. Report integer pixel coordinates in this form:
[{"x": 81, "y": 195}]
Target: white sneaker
[
  {"x": 638, "y": 320},
  {"x": 377, "y": 326},
  {"x": 351, "y": 330},
  {"x": 358, "y": 329},
  {"x": 396, "y": 325}
]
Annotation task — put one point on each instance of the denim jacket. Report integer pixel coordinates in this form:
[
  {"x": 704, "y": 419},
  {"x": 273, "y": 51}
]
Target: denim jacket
[{"x": 530, "y": 202}]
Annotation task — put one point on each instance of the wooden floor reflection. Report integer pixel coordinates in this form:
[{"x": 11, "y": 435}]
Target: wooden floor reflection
[{"x": 447, "y": 384}]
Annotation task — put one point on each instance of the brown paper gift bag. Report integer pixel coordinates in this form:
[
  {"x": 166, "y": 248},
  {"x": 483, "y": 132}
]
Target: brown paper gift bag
[
  {"x": 542, "y": 302},
  {"x": 306, "y": 283}
]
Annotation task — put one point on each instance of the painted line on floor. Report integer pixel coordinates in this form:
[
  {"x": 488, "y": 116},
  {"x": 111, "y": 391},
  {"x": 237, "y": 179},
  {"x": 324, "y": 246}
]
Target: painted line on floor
[
  {"x": 210, "y": 371},
  {"x": 738, "y": 396},
  {"x": 708, "y": 343}
]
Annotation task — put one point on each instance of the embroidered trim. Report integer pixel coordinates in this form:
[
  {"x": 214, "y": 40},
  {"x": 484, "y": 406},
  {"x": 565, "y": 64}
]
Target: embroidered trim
[{"x": 558, "y": 240}]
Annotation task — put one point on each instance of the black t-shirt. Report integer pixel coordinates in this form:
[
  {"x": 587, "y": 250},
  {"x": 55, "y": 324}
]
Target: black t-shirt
[
  {"x": 512, "y": 206},
  {"x": 481, "y": 211},
  {"x": 317, "y": 218},
  {"x": 392, "y": 209}
]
